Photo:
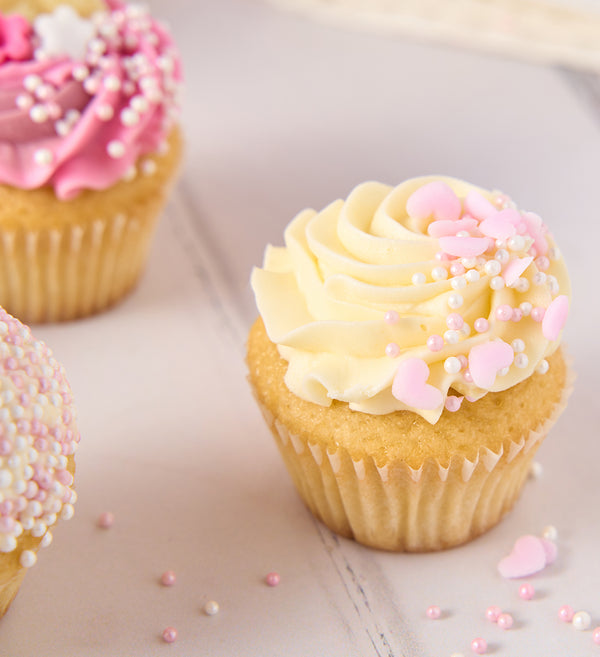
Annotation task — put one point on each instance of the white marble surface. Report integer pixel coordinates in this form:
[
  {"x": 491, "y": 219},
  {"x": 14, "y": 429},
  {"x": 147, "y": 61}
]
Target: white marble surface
[{"x": 282, "y": 113}]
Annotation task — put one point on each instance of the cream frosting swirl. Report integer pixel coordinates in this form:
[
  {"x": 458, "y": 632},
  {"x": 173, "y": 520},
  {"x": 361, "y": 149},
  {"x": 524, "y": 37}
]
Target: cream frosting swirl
[{"x": 410, "y": 298}]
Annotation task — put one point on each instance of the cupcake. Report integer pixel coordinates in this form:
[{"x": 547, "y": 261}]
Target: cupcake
[
  {"x": 38, "y": 438},
  {"x": 407, "y": 358},
  {"x": 89, "y": 147}
]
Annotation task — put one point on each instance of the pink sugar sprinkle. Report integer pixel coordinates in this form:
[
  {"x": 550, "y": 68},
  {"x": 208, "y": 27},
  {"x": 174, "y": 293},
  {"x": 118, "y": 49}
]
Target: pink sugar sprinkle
[
  {"x": 504, "y": 312},
  {"x": 517, "y": 315},
  {"x": 537, "y": 313},
  {"x": 168, "y": 578},
  {"x": 505, "y": 621},
  {"x": 566, "y": 613},
  {"x": 596, "y": 636},
  {"x": 272, "y": 579},
  {"x": 454, "y": 321},
  {"x": 481, "y": 325},
  {"x": 5, "y": 447},
  {"x": 479, "y": 646},
  {"x": 433, "y": 612},
  {"x": 493, "y": 613},
  {"x": 391, "y": 317},
  {"x": 106, "y": 520},
  {"x": 526, "y": 591},
  {"x": 435, "y": 343},
  {"x": 169, "y": 635}
]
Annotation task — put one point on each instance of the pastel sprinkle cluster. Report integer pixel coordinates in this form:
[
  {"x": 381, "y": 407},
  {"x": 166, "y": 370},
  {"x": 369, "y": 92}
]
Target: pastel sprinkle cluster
[
  {"x": 478, "y": 240},
  {"x": 38, "y": 435}
]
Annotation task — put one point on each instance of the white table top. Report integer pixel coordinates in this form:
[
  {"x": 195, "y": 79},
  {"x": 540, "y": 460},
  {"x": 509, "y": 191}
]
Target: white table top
[{"x": 282, "y": 113}]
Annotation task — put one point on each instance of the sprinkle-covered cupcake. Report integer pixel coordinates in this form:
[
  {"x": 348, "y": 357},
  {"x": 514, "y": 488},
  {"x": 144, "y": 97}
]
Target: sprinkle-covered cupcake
[
  {"x": 89, "y": 147},
  {"x": 407, "y": 358},
  {"x": 38, "y": 438}
]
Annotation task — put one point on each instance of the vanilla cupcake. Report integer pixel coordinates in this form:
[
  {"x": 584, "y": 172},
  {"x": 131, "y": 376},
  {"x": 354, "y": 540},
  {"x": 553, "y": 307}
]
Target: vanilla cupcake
[
  {"x": 407, "y": 358},
  {"x": 38, "y": 439},
  {"x": 89, "y": 147}
]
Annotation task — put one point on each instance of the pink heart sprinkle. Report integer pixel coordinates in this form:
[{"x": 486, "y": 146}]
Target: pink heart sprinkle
[
  {"x": 410, "y": 385},
  {"x": 437, "y": 199},
  {"x": 550, "y": 549},
  {"x": 486, "y": 359},
  {"x": 478, "y": 206},
  {"x": 515, "y": 268},
  {"x": 464, "y": 247},
  {"x": 555, "y": 317},
  {"x": 445, "y": 228},
  {"x": 498, "y": 226},
  {"x": 528, "y": 557}
]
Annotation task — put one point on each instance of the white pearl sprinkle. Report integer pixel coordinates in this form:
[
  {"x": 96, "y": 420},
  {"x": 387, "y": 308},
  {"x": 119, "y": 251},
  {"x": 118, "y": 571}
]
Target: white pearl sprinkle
[
  {"x": 500, "y": 244},
  {"x": 130, "y": 173},
  {"x": 38, "y": 114},
  {"x": 7, "y": 543},
  {"x": 62, "y": 128},
  {"x": 6, "y": 478},
  {"x": 526, "y": 307},
  {"x": 472, "y": 276},
  {"x": 112, "y": 83},
  {"x": 504, "y": 371},
  {"x": 455, "y": 301},
  {"x": 23, "y": 101},
  {"x": 497, "y": 283},
  {"x": 536, "y": 470},
  {"x": 139, "y": 104},
  {"x": 492, "y": 268},
  {"x": 539, "y": 278},
  {"x": 502, "y": 256},
  {"x": 105, "y": 112},
  {"x": 521, "y": 361},
  {"x": 439, "y": 273},
  {"x": 116, "y": 149},
  {"x": 468, "y": 263},
  {"x": 554, "y": 253},
  {"x": 129, "y": 117},
  {"x": 80, "y": 73},
  {"x": 418, "y": 278},
  {"x": 458, "y": 283},
  {"x": 38, "y": 529},
  {"x": 516, "y": 243},
  {"x": 582, "y": 621},
  {"x": 452, "y": 365},
  {"x": 46, "y": 540},
  {"x": 465, "y": 331},
  {"x": 552, "y": 283},
  {"x": 451, "y": 336},
  {"x": 149, "y": 167},
  {"x": 211, "y": 608},
  {"x": 543, "y": 367},
  {"x": 91, "y": 85},
  {"x": 67, "y": 512},
  {"x": 28, "y": 558},
  {"x": 43, "y": 157},
  {"x": 518, "y": 345},
  {"x": 550, "y": 533},
  {"x": 32, "y": 82}
]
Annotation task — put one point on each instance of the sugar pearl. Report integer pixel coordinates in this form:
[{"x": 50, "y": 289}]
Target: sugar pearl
[
  {"x": 521, "y": 361},
  {"x": 455, "y": 301},
  {"x": 392, "y": 350},
  {"x": 539, "y": 278},
  {"x": 454, "y": 321},
  {"x": 435, "y": 343},
  {"x": 106, "y": 520},
  {"x": 505, "y": 621},
  {"x": 537, "y": 469},
  {"x": 168, "y": 578},
  {"x": 458, "y": 283},
  {"x": 518, "y": 345},
  {"x": 492, "y": 268},
  {"x": 516, "y": 243},
  {"x": 272, "y": 579},
  {"x": 596, "y": 636},
  {"x": 493, "y": 613},
  {"x": 27, "y": 558},
  {"x": 522, "y": 285},
  {"x": 565, "y": 613},
  {"x": 457, "y": 269},
  {"x": 550, "y": 533},
  {"x": 469, "y": 263},
  {"x": 479, "y": 646},
  {"x": 452, "y": 365},
  {"x": 537, "y": 313},
  {"x": 38, "y": 114},
  {"x": 43, "y": 156},
  {"x": 391, "y": 317},
  {"x": 105, "y": 112},
  {"x": 472, "y": 276},
  {"x": 116, "y": 149},
  {"x": 439, "y": 273},
  {"x": 211, "y": 608},
  {"x": 497, "y": 283},
  {"x": 526, "y": 591},
  {"x": 169, "y": 635},
  {"x": 481, "y": 325},
  {"x": 582, "y": 621},
  {"x": 418, "y": 278},
  {"x": 504, "y": 312},
  {"x": 543, "y": 367},
  {"x": 451, "y": 337},
  {"x": 433, "y": 612},
  {"x": 502, "y": 256}
]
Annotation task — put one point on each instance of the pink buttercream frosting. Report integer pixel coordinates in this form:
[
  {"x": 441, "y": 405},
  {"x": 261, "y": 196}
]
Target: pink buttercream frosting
[{"x": 82, "y": 122}]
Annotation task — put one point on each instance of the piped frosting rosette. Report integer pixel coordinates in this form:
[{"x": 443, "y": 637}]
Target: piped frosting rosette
[
  {"x": 82, "y": 99},
  {"x": 414, "y": 298}
]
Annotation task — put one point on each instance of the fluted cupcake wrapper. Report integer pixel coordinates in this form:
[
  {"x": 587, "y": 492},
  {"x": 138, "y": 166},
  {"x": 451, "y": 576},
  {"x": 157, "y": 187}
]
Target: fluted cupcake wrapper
[
  {"x": 392, "y": 506},
  {"x": 60, "y": 274}
]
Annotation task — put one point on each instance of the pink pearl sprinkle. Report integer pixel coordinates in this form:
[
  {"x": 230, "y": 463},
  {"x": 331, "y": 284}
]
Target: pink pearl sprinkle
[
  {"x": 454, "y": 321},
  {"x": 435, "y": 342},
  {"x": 504, "y": 312},
  {"x": 526, "y": 591},
  {"x": 391, "y": 317},
  {"x": 433, "y": 612},
  {"x": 392, "y": 350},
  {"x": 5, "y": 447},
  {"x": 468, "y": 377},
  {"x": 566, "y": 613},
  {"x": 272, "y": 579},
  {"x": 537, "y": 313},
  {"x": 505, "y": 621},
  {"x": 106, "y": 520},
  {"x": 453, "y": 403},
  {"x": 168, "y": 578},
  {"x": 457, "y": 269},
  {"x": 493, "y": 613},
  {"x": 479, "y": 646},
  {"x": 481, "y": 325},
  {"x": 517, "y": 315},
  {"x": 169, "y": 635},
  {"x": 596, "y": 636}
]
